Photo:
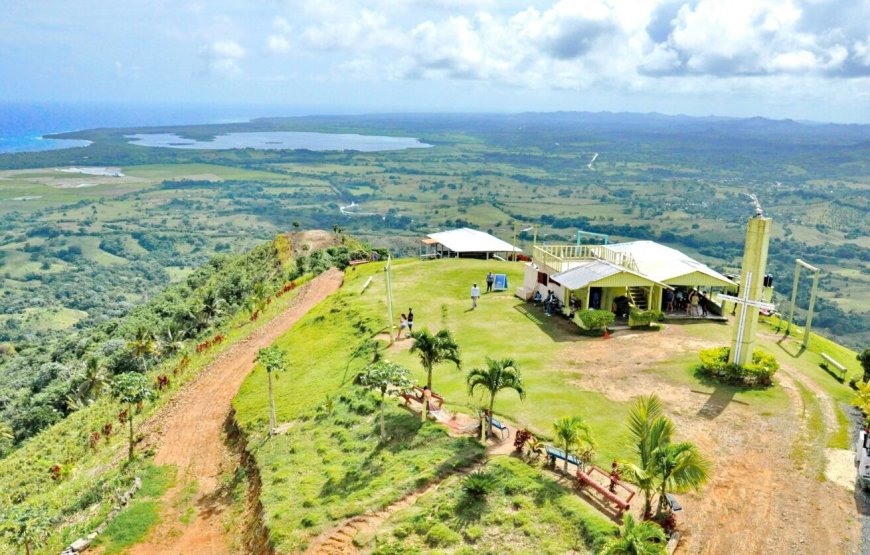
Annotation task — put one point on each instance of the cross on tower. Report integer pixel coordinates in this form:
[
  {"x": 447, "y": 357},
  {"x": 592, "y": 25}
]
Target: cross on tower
[{"x": 745, "y": 302}]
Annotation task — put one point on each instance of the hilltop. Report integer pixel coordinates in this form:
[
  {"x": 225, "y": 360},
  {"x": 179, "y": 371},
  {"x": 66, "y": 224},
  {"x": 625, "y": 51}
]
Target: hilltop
[{"x": 326, "y": 480}]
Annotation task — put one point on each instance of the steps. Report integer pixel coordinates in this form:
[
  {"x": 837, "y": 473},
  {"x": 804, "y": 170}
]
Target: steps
[{"x": 638, "y": 296}]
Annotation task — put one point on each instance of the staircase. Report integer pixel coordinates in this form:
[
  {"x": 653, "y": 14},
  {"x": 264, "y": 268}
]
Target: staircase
[{"x": 638, "y": 296}]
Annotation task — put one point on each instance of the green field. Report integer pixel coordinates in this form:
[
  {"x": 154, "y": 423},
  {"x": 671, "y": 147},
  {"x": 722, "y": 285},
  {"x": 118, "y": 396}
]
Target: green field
[{"x": 484, "y": 173}]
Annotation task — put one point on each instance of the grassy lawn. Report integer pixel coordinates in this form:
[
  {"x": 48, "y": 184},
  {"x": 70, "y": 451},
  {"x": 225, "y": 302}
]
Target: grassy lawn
[
  {"x": 133, "y": 523},
  {"x": 525, "y": 512},
  {"x": 333, "y": 466},
  {"x": 329, "y": 465}
]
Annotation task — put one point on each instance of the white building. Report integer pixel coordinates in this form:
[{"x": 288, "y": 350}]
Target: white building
[{"x": 466, "y": 243}]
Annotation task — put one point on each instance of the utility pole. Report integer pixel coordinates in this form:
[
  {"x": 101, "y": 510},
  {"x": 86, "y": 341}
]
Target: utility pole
[{"x": 389, "y": 283}]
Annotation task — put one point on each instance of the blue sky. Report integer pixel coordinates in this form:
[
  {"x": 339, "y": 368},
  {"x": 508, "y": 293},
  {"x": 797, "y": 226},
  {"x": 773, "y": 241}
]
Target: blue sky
[{"x": 803, "y": 59}]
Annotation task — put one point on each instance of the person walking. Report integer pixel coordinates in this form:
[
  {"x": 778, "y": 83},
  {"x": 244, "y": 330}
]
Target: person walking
[
  {"x": 410, "y": 320},
  {"x": 475, "y": 294},
  {"x": 403, "y": 324},
  {"x": 490, "y": 278}
]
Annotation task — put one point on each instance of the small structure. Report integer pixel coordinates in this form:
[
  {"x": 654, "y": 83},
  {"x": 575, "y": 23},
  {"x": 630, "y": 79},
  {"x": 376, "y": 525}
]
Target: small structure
[{"x": 466, "y": 243}]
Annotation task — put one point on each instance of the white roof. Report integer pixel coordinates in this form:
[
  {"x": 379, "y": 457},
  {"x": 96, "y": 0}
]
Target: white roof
[
  {"x": 471, "y": 240},
  {"x": 589, "y": 271},
  {"x": 665, "y": 264}
]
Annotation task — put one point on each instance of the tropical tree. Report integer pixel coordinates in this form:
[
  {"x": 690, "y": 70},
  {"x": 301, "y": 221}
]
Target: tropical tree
[
  {"x": 679, "y": 467},
  {"x": 660, "y": 465},
  {"x": 643, "y": 538},
  {"x": 273, "y": 360},
  {"x": 143, "y": 345},
  {"x": 173, "y": 337},
  {"x": 498, "y": 374},
  {"x": 93, "y": 382},
  {"x": 381, "y": 376},
  {"x": 131, "y": 389},
  {"x": 6, "y": 432},
  {"x": 435, "y": 349},
  {"x": 213, "y": 306},
  {"x": 25, "y": 527},
  {"x": 647, "y": 427},
  {"x": 572, "y": 431}
]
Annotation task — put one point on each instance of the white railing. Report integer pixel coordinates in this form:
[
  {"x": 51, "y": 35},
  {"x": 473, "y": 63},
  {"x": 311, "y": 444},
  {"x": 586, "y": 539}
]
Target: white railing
[{"x": 558, "y": 258}]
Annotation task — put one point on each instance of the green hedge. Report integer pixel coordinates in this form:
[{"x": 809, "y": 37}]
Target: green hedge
[
  {"x": 759, "y": 372},
  {"x": 641, "y": 318}
]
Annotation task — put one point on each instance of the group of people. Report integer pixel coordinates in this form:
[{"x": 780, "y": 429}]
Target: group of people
[
  {"x": 406, "y": 322},
  {"x": 694, "y": 302},
  {"x": 475, "y": 290}
]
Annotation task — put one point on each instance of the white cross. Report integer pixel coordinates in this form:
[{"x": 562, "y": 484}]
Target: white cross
[{"x": 745, "y": 303}]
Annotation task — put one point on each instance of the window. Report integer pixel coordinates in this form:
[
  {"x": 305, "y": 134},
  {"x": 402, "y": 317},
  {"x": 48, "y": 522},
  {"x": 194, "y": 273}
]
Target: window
[{"x": 543, "y": 278}]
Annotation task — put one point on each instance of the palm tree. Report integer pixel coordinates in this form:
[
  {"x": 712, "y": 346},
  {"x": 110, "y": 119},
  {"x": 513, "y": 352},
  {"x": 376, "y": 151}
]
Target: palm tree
[
  {"x": 94, "y": 381},
  {"x": 212, "y": 307},
  {"x": 273, "y": 359},
  {"x": 679, "y": 467},
  {"x": 644, "y": 538},
  {"x": 648, "y": 429},
  {"x": 25, "y": 527},
  {"x": 143, "y": 345},
  {"x": 572, "y": 431},
  {"x": 435, "y": 349},
  {"x": 498, "y": 375},
  {"x": 173, "y": 337}
]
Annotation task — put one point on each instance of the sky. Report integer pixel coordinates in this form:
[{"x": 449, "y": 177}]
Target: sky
[{"x": 800, "y": 59}]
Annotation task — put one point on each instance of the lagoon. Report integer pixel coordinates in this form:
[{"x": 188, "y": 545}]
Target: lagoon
[{"x": 281, "y": 140}]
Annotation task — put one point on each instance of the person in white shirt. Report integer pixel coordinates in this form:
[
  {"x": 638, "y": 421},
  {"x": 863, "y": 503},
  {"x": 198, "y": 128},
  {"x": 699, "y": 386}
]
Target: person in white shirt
[{"x": 475, "y": 294}]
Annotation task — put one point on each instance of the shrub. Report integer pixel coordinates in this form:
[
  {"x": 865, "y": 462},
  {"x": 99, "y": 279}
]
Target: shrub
[
  {"x": 642, "y": 318},
  {"x": 595, "y": 319},
  {"x": 474, "y": 533},
  {"x": 520, "y": 439},
  {"x": 714, "y": 363},
  {"x": 442, "y": 536},
  {"x": 479, "y": 484}
]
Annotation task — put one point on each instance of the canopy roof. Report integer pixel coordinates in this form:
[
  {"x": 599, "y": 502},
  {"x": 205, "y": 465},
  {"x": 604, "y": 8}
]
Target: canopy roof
[
  {"x": 470, "y": 240},
  {"x": 670, "y": 266},
  {"x": 592, "y": 271}
]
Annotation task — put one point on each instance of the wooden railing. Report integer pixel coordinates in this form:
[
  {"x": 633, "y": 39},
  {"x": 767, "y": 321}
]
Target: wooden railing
[{"x": 558, "y": 258}]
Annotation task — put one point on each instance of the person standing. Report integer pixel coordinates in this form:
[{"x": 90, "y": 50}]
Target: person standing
[
  {"x": 490, "y": 278},
  {"x": 410, "y": 320},
  {"x": 475, "y": 294}
]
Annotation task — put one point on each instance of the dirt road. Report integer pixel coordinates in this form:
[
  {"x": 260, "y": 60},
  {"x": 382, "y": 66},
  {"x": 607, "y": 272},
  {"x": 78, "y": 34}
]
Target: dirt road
[{"x": 192, "y": 437}]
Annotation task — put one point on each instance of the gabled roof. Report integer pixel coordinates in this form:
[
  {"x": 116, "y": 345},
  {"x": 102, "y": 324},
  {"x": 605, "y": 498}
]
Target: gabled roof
[
  {"x": 588, "y": 272},
  {"x": 670, "y": 266},
  {"x": 471, "y": 240}
]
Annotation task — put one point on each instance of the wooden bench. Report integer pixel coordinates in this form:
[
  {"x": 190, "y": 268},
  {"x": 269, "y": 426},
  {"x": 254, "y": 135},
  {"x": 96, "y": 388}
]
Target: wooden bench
[
  {"x": 835, "y": 364},
  {"x": 554, "y": 453},
  {"x": 416, "y": 394},
  {"x": 589, "y": 479}
]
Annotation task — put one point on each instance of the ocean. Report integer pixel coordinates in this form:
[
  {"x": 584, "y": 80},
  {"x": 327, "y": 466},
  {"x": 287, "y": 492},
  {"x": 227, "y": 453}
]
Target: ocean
[{"x": 23, "y": 125}]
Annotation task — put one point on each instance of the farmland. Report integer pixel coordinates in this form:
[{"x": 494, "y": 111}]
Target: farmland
[{"x": 97, "y": 244}]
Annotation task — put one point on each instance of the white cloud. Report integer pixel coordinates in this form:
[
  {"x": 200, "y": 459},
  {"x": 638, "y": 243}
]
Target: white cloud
[{"x": 221, "y": 59}]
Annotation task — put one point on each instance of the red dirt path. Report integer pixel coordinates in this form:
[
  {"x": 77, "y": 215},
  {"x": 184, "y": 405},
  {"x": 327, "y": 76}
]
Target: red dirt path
[{"x": 192, "y": 435}]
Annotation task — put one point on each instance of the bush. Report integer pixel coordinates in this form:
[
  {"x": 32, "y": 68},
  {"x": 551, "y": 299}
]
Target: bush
[
  {"x": 642, "y": 318},
  {"x": 442, "y": 536},
  {"x": 479, "y": 484},
  {"x": 595, "y": 319},
  {"x": 759, "y": 372}
]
